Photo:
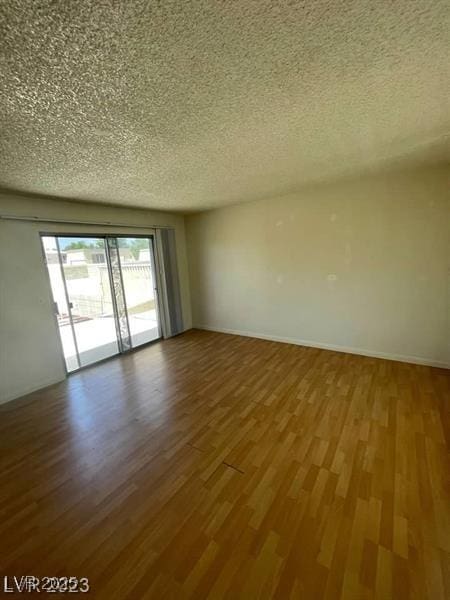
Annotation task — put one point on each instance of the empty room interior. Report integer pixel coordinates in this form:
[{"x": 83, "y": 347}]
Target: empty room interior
[{"x": 225, "y": 299}]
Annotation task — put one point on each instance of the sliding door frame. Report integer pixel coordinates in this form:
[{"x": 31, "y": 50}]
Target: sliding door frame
[
  {"x": 124, "y": 346},
  {"x": 69, "y": 304},
  {"x": 157, "y": 285},
  {"x": 154, "y": 261}
]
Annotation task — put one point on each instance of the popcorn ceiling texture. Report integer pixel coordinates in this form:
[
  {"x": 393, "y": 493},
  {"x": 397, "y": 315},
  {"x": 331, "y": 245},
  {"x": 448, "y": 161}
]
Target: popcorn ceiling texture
[{"x": 191, "y": 105}]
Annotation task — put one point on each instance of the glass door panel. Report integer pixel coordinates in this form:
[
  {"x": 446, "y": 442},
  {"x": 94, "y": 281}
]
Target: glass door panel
[
  {"x": 88, "y": 287},
  {"x": 138, "y": 276},
  {"x": 62, "y": 310}
]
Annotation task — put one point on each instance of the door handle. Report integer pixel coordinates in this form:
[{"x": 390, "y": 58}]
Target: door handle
[{"x": 55, "y": 308}]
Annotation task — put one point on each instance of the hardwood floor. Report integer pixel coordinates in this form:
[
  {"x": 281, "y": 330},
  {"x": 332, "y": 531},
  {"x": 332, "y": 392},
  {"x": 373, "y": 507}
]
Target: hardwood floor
[{"x": 217, "y": 466}]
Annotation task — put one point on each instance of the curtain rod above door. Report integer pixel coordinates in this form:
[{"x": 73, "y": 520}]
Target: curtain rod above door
[{"x": 73, "y": 222}]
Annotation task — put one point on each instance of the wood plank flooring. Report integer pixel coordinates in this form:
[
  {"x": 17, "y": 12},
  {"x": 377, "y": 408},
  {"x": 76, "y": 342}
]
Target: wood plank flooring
[{"x": 218, "y": 466}]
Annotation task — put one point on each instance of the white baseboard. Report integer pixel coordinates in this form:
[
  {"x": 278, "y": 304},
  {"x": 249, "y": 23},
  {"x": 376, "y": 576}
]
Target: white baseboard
[
  {"x": 29, "y": 389},
  {"x": 417, "y": 360}
]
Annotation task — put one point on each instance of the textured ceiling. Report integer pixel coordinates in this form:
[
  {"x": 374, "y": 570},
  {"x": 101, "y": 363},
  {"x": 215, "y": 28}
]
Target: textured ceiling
[{"x": 189, "y": 105}]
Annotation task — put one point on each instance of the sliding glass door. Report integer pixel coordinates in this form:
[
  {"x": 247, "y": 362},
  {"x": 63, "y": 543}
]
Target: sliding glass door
[
  {"x": 136, "y": 262},
  {"x": 104, "y": 295}
]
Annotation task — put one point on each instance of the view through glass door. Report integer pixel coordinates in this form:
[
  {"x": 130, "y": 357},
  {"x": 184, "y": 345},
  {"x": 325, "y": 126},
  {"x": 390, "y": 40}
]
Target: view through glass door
[
  {"x": 136, "y": 262},
  {"x": 105, "y": 302}
]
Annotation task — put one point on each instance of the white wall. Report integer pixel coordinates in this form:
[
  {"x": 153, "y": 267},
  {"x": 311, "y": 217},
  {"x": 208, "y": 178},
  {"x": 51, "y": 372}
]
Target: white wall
[
  {"x": 362, "y": 266},
  {"x": 30, "y": 355}
]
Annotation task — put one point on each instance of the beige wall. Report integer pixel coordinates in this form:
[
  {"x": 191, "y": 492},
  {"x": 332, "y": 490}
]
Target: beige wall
[
  {"x": 361, "y": 266},
  {"x": 30, "y": 355}
]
